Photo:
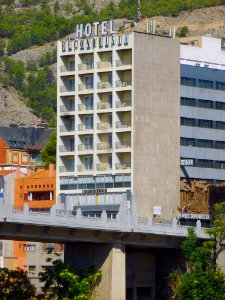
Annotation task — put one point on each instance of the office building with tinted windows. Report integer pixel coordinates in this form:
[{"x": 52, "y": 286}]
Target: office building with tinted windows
[
  {"x": 118, "y": 122},
  {"x": 202, "y": 110}
]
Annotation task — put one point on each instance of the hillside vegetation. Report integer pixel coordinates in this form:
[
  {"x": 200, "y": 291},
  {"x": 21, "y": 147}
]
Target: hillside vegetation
[{"x": 35, "y": 23}]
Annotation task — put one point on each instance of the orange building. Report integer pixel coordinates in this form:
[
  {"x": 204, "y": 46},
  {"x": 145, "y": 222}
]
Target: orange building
[
  {"x": 37, "y": 189},
  {"x": 22, "y": 146}
]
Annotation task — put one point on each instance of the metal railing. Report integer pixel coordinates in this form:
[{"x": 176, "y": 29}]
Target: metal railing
[
  {"x": 83, "y": 67},
  {"x": 64, "y": 169},
  {"x": 64, "y": 108},
  {"x": 104, "y": 85},
  {"x": 63, "y": 148},
  {"x": 123, "y": 62},
  {"x": 83, "y": 147},
  {"x": 103, "y": 167},
  {"x": 102, "y": 126},
  {"x": 64, "y": 89},
  {"x": 106, "y": 105},
  {"x": 123, "y": 83},
  {"x": 82, "y": 107},
  {"x": 65, "y": 68},
  {"x": 124, "y": 144},
  {"x": 123, "y": 166},
  {"x": 123, "y": 124},
  {"x": 83, "y": 127},
  {"x": 104, "y": 146},
  {"x": 83, "y": 86},
  {"x": 123, "y": 103},
  {"x": 104, "y": 64},
  {"x": 81, "y": 168},
  {"x": 64, "y": 128}
]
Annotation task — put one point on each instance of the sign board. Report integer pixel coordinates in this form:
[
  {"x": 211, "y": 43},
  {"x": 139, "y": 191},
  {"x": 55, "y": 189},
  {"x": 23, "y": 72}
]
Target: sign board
[
  {"x": 94, "y": 191},
  {"x": 186, "y": 162},
  {"x": 156, "y": 210},
  {"x": 195, "y": 216}
]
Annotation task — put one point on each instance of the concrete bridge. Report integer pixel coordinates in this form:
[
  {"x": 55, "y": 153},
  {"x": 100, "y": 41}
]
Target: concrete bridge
[{"x": 135, "y": 253}]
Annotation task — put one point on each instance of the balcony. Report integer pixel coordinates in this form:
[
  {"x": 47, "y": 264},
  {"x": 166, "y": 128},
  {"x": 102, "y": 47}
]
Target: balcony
[
  {"x": 64, "y": 108},
  {"x": 84, "y": 127},
  {"x": 101, "y": 105},
  {"x": 84, "y": 67},
  {"x": 64, "y": 128},
  {"x": 82, "y": 107},
  {"x": 123, "y": 145},
  {"x": 63, "y": 169},
  {"x": 123, "y": 62},
  {"x": 104, "y": 85},
  {"x": 123, "y": 124},
  {"x": 82, "y": 168},
  {"x": 103, "y": 126},
  {"x": 83, "y": 147},
  {"x": 63, "y": 148},
  {"x": 65, "y": 68},
  {"x": 123, "y": 166},
  {"x": 104, "y": 64},
  {"x": 104, "y": 146},
  {"x": 123, "y": 103},
  {"x": 123, "y": 83},
  {"x": 64, "y": 89},
  {"x": 103, "y": 167},
  {"x": 82, "y": 87}
]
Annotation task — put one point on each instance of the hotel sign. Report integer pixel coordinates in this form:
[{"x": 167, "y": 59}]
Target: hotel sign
[
  {"x": 94, "y": 191},
  {"x": 92, "y": 35}
]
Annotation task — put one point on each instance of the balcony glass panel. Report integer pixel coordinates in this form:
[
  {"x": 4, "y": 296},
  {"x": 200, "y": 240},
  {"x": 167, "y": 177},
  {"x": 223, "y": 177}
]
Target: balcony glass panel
[
  {"x": 123, "y": 103},
  {"x": 102, "y": 126},
  {"x": 123, "y": 83},
  {"x": 123, "y": 166},
  {"x": 104, "y": 146},
  {"x": 64, "y": 169},
  {"x": 123, "y": 124},
  {"x": 124, "y": 144},
  {"x": 123, "y": 62},
  {"x": 103, "y": 167}
]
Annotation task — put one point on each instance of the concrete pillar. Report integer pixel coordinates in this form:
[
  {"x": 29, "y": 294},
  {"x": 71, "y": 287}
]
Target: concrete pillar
[{"x": 110, "y": 258}]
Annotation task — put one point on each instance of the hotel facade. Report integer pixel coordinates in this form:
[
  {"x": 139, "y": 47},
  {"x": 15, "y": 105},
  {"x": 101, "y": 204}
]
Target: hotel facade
[{"x": 118, "y": 123}]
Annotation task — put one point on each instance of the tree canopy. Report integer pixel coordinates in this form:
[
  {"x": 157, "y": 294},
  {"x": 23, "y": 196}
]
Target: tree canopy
[{"x": 49, "y": 151}]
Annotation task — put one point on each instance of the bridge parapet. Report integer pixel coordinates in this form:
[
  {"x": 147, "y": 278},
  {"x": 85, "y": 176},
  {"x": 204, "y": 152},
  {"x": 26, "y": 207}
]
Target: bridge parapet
[{"x": 125, "y": 221}]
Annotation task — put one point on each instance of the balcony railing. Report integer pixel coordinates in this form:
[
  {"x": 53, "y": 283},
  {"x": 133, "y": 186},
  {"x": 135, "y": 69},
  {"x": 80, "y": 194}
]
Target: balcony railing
[
  {"x": 83, "y": 67},
  {"x": 63, "y": 148},
  {"x": 103, "y": 105},
  {"x": 64, "y": 68},
  {"x": 64, "y": 108},
  {"x": 82, "y": 107},
  {"x": 83, "y": 147},
  {"x": 81, "y": 168},
  {"x": 102, "y": 126},
  {"x": 123, "y": 62},
  {"x": 124, "y": 144},
  {"x": 83, "y": 86},
  {"x": 104, "y": 64},
  {"x": 63, "y": 169},
  {"x": 64, "y": 128},
  {"x": 103, "y": 167},
  {"x": 123, "y": 83},
  {"x": 104, "y": 85},
  {"x": 123, "y": 166},
  {"x": 83, "y": 127},
  {"x": 64, "y": 89},
  {"x": 123, "y": 124},
  {"x": 123, "y": 103},
  {"x": 104, "y": 146}
]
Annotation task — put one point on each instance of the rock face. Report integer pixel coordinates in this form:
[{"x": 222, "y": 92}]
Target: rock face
[{"x": 13, "y": 109}]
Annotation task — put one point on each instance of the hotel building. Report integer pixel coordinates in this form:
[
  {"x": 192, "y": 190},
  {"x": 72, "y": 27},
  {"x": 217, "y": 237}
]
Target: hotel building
[
  {"x": 118, "y": 123},
  {"x": 202, "y": 109}
]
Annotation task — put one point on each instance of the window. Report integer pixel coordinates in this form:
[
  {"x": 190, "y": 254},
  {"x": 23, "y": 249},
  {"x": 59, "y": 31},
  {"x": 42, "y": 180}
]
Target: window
[
  {"x": 205, "y": 84},
  {"x": 205, "y": 103},
  {"x": 24, "y": 158},
  {"x": 220, "y": 86},
  {"x": 29, "y": 247},
  {"x": 187, "y": 101},
  {"x": 188, "y": 81},
  {"x": 32, "y": 268},
  {"x": 187, "y": 121},
  {"x": 187, "y": 141},
  {"x": 15, "y": 157},
  {"x": 205, "y": 123}
]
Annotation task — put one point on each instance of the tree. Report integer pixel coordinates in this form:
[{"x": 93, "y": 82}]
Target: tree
[
  {"x": 15, "y": 284},
  {"x": 62, "y": 281},
  {"x": 202, "y": 278},
  {"x": 49, "y": 151}
]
